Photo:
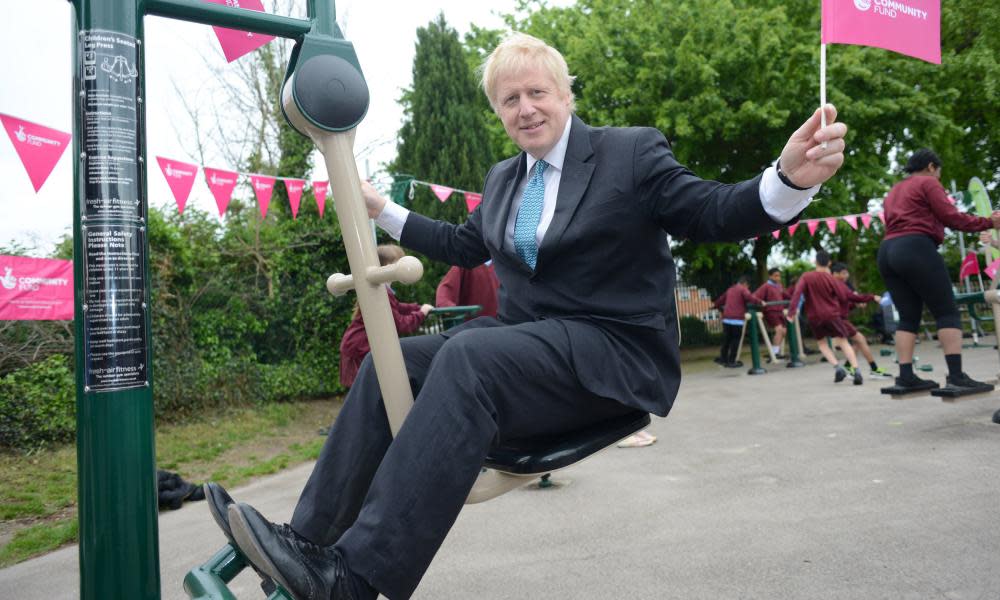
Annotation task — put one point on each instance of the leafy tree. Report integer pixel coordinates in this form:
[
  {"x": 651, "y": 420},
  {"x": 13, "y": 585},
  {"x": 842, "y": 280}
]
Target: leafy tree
[
  {"x": 727, "y": 81},
  {"x": 443, "y": 138}
]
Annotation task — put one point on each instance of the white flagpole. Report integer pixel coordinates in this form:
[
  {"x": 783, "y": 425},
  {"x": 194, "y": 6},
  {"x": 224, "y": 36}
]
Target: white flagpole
[{"x": 822, "y": 86}]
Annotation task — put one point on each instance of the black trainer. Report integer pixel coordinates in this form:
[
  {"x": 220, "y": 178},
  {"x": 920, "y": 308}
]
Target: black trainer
[
  {"x": 857, "y": 377},
  {"x": 916, "y": 384},
  {"x": 964, "y": 381},
  {"x": 839, "y": 374},
  {"x": 996, "y": 417}
]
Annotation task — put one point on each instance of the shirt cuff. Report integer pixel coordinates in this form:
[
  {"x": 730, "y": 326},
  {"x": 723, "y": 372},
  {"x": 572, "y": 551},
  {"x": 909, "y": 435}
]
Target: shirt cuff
[
  {"x": 392, "y": 219},
  {"x": 781, "y": 202}
]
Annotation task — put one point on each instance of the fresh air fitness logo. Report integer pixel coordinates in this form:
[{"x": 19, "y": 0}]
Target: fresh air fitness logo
[{"x": 890, "y": 8}]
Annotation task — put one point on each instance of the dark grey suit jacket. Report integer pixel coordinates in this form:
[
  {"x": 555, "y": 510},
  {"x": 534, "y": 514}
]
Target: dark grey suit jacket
[{"x": 604, "y": 266}]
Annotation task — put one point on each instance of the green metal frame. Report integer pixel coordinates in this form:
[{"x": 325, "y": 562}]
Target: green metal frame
[
  {"x": 117, "y": 495},
  {"x": 794, "y": 361}
]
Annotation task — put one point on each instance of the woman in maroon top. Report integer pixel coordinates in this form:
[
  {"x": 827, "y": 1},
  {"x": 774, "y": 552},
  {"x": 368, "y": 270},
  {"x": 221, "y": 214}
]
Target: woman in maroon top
[
  {"x": 408, "y": 317},
  {"x": 917, "y": 210}
]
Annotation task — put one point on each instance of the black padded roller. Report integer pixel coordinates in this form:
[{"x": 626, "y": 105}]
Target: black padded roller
[{"x": 331, "y": 92}]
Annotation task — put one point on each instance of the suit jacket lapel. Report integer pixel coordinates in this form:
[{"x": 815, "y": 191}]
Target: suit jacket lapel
[
  {"x": 576, "y": 174},
  {"x": 500, "y": 211}
]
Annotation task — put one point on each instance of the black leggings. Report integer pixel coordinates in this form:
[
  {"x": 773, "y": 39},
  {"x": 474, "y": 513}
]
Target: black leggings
[
  {"x": 915, "y": 275},
  {"x": 730, "y": 342}
]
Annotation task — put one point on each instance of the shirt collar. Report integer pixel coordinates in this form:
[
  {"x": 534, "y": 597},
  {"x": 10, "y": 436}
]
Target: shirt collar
[{"x": 557, "y": 154}]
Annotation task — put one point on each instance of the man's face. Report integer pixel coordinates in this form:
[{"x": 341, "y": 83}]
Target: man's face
[{"x": 533, "y": 109}]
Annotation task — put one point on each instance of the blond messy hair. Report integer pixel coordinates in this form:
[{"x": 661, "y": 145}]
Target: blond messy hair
[{"x": 520, "y": 51}]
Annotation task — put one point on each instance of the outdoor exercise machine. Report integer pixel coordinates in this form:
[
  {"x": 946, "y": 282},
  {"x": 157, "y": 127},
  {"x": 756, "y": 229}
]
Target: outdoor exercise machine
[
  {"x": 754, "y": 321},
  {"x": 324, "y": 97},
  {"x": 990, "y": 298}
]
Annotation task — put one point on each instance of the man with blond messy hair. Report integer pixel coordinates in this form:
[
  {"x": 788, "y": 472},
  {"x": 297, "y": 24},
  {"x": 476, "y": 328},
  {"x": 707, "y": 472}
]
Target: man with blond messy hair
[{"x": 576, "y": 225}]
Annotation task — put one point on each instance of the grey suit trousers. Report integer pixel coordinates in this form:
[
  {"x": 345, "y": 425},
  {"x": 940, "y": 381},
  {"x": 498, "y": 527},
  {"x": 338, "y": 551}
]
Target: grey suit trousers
[{"x": 388, "y": 504}]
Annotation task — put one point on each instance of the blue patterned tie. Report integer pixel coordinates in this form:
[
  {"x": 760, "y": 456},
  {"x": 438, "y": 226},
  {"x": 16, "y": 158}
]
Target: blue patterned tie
[{"x": 529, "y": 214}]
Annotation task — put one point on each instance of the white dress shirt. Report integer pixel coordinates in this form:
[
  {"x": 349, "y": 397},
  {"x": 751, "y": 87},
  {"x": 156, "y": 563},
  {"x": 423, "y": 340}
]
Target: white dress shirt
[{"x": 780, "y": 202}]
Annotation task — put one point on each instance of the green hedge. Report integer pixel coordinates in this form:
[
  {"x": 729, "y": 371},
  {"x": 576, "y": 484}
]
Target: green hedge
[
  {"x": 38, "y": 404},
  {"x": 694, "y": 332}
]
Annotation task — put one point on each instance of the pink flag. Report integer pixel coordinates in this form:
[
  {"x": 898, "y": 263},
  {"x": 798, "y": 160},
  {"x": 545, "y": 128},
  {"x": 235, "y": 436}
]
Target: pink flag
[
  {"x": 294, "y": 188},
  {"x": 35, "y": 289},
  {"x": 221, "y": 184},
  {"x": 866, "y": 220},
  {"x": 236, "y": 43},
  {"x": 472, "y": 200},
  {"x": 38, "y": 147},
  {"x": 319, "y": 189},
  {"x": 180, "y": 177},
  {"x": 881, "y": 217},
  {"x": 441, "y": 191},
  {"x": 911, "y": 27},
  {"x": 812, "y": 225},
  {"x": 831, "y": 224},
  {"x": 970, "y": 265},
  {"x": 776, "y": 233},
  {"x": 263, "y": 187},
  {"x": 991, "y": 269},
  {"x": 792, "y": 229},
  {"x": 852, "y": 220}
]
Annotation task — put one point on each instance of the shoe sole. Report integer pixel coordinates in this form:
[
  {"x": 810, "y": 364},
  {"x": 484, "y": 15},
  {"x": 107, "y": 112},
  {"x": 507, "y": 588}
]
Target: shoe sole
[
  {"x": 223, "y": 523},
  {"x": 252, "y": 549}
]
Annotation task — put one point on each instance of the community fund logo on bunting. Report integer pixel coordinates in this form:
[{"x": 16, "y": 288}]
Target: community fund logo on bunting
[
  {"x": 38, "y": 147},
  {"x": 35, "y": 289},
  {"x": 911, "y": 27}
]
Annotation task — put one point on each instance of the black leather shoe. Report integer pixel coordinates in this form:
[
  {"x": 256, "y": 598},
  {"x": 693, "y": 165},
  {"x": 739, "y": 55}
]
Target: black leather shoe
[
  {"x": 306, "y": 570},
  {"x": 219, "y": 502}
]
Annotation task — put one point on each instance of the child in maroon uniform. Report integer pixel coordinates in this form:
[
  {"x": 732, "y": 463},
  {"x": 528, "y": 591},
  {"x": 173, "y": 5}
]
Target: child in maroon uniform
[
  {"x": 916, "y": 212},
  {"x": 842, "y": 274},
  {"x": 733, "y": 304},
  {"x": 774, "y": 316},
  {"x": 469, "y": 287},
  {"x": 408, "y": 317},
  {"x": 824, "y": 296}
]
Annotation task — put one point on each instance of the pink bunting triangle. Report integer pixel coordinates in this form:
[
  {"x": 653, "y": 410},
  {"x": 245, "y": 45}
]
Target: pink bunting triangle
[
  {"x": 831, "y": 224},
  {"x": 881, "y": 217},
  {"x": 180, "y": 177},
  {"x": 792, "y": 229},
  {"x": 236, "y": 43},
  {"x": 866, "y": 220},
  {"x": 294, "y": 189},
  {"x": 319, "y": 190},
  {"x": 441, "y": 191},
  {"x": 38, "y": 147},
  {"x": 852, "y": 220},
  {"x": 812, "y": 225},
  {"x": 991, "y": 269},
  {"x": 263, "y": 187},
  {"x": 776, "y": 233},
  {"x": 472, "y": 200},
  {"x": 221, "y": 183}
]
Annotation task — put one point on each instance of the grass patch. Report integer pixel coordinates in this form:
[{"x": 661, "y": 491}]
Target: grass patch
[
  {"x": 232, "y": 447},
  {"x": 38, "y": 539}
]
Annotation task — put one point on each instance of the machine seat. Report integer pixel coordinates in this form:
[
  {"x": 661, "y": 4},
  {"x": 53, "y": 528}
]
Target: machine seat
[{"x": 538, "y": 455}]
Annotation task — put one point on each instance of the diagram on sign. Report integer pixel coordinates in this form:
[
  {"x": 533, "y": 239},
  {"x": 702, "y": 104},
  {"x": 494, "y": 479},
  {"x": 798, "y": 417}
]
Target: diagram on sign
[{"x": 119, "y": 70}]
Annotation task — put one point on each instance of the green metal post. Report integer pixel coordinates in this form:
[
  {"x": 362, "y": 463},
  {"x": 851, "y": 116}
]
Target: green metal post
[
  {"x": 795, "y": 361},
  {"x": 755, "y": 345},
  {"x": 119, "y": 547}
]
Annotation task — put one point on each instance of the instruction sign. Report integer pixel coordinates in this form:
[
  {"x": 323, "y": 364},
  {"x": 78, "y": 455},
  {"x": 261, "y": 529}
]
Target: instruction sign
[{"x": 112, "y": 211}]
